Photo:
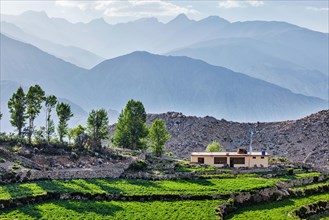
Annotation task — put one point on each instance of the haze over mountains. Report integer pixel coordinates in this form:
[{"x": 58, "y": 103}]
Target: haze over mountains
[
  {"x": 287, "y": 55},
  {"x": 281, "y": 60}
]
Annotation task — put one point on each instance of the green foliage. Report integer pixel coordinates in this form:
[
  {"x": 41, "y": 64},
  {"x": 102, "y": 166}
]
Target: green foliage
[
  {"x": 276, "y": 210},
  {"x": 136, "y": 187},
  {"x": 214, "y": 147},
  {"x": 279, "y": 159},
  {"x": 64, "y": 114},
  {"x": 131, "y": 129},
  {"x": 187, "y": 209},
  {"x": 34, "y": 98},
  {"x": 50, "y": 103},
  {"x": 39, "y": 135},
  {"x": 16, "y": 166},
  {"x": 185, "y": 166},
  {"x": 138, "y": 165},
  {"x": 70, "y": 134},
  {"x": 97, "y": 125},
  {"x": 170, "y": 154},
  {"x": 311, "y": 186},
  {"x": 290, "y": 171},
  {"x": 158, "y": 136},
  {"x": 17, "y": 109},
  {"x": 80, "y": 137}
]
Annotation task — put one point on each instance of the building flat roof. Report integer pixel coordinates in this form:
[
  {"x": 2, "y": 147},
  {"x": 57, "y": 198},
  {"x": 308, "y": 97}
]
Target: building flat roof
[{"x": 227, "y": 154}]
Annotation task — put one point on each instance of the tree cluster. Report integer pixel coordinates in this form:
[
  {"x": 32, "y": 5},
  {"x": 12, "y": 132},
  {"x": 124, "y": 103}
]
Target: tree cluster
[
  {"x": 132, "y": 132},
  {"x": 27, "y": 106}
]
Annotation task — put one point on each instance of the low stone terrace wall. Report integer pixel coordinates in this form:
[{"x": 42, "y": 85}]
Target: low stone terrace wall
[
  {"x": 311, "y": 209},
  {"x": 106, "y": 171}
]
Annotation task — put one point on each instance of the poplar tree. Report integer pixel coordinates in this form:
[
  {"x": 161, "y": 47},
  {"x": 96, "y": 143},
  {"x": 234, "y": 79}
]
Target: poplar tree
[
  {"x": 64, "y": 114},
  {"x": 34, "y": 98},
  {"x": 97, "y": 125},
  {"x": 17, "y": 109},
  {"x": 50, "y": 103}
]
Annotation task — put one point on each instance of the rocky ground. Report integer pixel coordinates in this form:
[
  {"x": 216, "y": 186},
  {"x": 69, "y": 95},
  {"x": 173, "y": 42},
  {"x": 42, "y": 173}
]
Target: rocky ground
[{"x": 306, "y": 138}]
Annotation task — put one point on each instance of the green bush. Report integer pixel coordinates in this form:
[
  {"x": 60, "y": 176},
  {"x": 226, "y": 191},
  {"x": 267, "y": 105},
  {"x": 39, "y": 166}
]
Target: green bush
[
  {"x": 138, "y": 165},
  {"x": 16, "y": 166}
]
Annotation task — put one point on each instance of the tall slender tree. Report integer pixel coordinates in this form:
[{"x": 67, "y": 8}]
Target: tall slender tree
[
  {"x": 158, "y": 136},
  {"x": 97, "y": 125},
  {"x": 64, "y": 114},
  {"x": 17, "y": 109},
  {"x": 34, "y": 98},
  {"x": 131, "y": 129},
  {"x": 50, "y": 103}
]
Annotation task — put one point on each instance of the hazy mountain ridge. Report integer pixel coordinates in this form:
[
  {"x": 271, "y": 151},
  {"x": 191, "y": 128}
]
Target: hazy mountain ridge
[
  {"x": 162, "y": 83},
  {"x": 284, "y": 54},
  {"x": 74, "y": 55},
  {"x": 254, "y": 58},
  {"x": 29, "y": 65}
]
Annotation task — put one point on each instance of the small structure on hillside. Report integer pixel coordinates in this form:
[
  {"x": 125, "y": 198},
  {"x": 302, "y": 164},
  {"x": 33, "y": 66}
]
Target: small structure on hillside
[{"x": 241, "y": 158}]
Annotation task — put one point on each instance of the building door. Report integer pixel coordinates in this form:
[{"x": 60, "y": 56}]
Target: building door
[{"x": 231, "y": 162}]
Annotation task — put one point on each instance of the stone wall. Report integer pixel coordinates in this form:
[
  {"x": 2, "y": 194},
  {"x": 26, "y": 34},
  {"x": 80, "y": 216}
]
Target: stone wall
[
  {"x": 106, "y": 171},
  {"x": 311, "y": 209},
  {"x": 279, "y": 192},
  {"x": 23, "y": 160}
]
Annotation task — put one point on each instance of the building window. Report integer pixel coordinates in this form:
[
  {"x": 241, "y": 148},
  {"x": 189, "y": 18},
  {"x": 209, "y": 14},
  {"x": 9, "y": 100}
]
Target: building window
[
  {"x": 253, "y": 157},
  {"x": 220, "y": 160},
  {"x": 238, "y": 160},
  {"x": 261, "y": 157},
  {"x": 200, "y": 159}
]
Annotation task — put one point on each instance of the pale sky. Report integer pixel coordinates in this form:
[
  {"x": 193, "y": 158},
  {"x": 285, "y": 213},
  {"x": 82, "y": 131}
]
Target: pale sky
[{"x": 310, "y": 14}]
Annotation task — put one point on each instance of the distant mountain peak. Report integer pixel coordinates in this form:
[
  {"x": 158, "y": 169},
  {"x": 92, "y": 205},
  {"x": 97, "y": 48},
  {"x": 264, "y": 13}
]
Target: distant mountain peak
[
  {"x": 214, "y": 19},
  {"x": 100, "y": 20},
  {"x": 35, "y": 14},
  {"x": 180, "y": 19},
  {"x": 147, "y": 20}
]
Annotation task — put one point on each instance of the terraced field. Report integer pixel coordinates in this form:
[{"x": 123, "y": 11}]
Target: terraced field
[
  {"x": 136, "y": 187},
  {"x": 116, "y": 210},
  {"x": 132, "y": 203},
  {"x": 276, "y": 210}
]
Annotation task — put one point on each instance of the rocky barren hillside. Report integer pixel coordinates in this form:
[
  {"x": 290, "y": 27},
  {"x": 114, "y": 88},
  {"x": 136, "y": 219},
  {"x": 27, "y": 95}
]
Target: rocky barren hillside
[{"x": 306, "y": 138}]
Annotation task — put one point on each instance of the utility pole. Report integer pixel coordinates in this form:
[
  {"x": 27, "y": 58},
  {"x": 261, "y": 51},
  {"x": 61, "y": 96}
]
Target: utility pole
[{"x": 250, "y": 147}]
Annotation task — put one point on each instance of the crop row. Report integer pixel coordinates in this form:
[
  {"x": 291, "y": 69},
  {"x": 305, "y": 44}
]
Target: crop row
[
  {"x": 135, "y": 187},
  {"x": 311, "y": 186},
  {"x": 276, "y": 210},
  {"x": 205, "y": 209}
]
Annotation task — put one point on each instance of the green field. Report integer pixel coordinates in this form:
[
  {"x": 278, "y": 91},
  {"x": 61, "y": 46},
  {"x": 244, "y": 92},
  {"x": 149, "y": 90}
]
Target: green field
[
  {"x": 276, "y": 210},
  {"x": 198, "y": 210},
  {"x": 312, "y": 186},
  {"x": 221, "y": 184},
  {"x": 136, "y": 187}
]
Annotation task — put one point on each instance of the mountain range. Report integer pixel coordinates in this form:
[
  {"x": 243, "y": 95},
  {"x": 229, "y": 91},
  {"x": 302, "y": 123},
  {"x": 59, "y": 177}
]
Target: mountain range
[
  {"x": 162, "y": 83},
  {"x": 283, "y": 54}
]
